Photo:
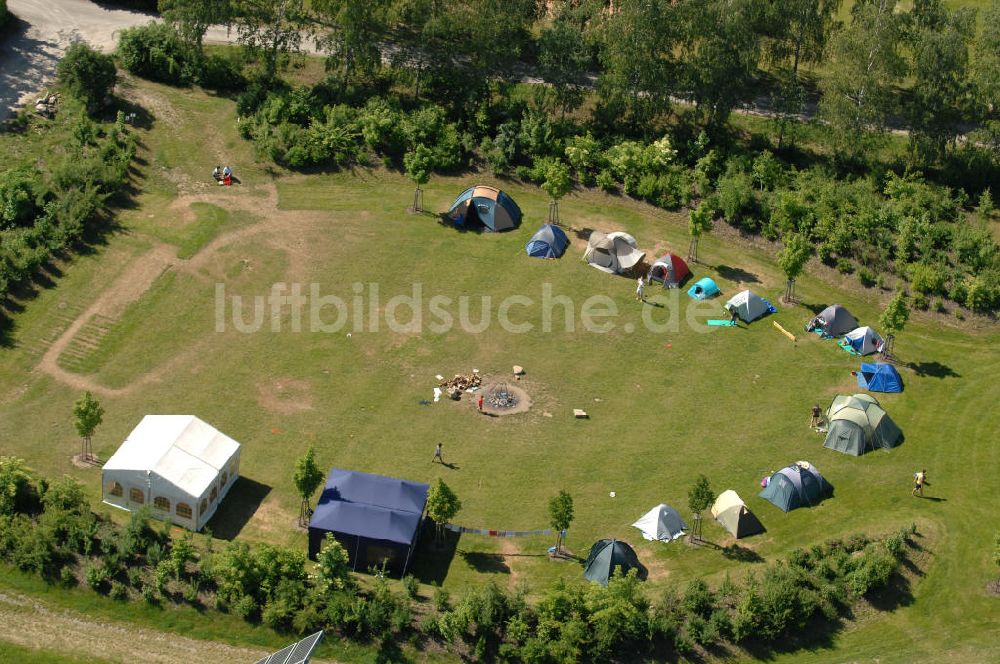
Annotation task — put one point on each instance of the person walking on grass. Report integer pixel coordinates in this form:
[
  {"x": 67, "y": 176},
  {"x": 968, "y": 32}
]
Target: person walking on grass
[
  {"x": 919, "y": 480},
  {"x": 816, "y": 416},
  {"x": 437, "y": 455},
  {"x": 640, "y": 290}
]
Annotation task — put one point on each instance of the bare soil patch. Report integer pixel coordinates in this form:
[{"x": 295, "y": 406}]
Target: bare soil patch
[{"x": 285, "y": 396}]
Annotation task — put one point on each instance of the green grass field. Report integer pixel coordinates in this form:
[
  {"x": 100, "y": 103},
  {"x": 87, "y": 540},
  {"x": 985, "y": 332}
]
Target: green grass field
[{"x": 664, "y": 406}]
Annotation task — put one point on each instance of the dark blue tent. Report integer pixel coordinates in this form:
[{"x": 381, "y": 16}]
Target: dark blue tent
[
  {"x": 548, "y": 242},
  {"x": 375, "y": 518},
  {"x": 879, "y": 377}
]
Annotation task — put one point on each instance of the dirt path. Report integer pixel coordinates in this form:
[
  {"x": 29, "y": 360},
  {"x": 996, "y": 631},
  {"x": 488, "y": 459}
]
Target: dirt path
[{"x": 27, "y": 622}]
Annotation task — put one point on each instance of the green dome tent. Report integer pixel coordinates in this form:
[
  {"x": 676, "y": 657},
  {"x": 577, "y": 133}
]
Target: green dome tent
[
  {"x": 858, "y": 424},
  {"x": 797, "y": 485},
  {"x": 605, "y": 556}
]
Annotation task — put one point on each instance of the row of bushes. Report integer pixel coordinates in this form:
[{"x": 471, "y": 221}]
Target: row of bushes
[
  {"x": 49, "y": 529},
  {"x": 48, "y": 206},
  {"x": 155, "y": 51}
]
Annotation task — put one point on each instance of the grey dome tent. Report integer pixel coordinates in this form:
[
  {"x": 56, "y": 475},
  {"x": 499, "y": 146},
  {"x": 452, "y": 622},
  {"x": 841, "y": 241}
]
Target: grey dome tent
[
  {"x": 858, "y": 424},
  {"x": 662, "y": 524},
  {"x": 748, "y": 305},
  {"x": 605, "y": 556},
  {"x": 613, "y": 253},
  {"x": 833, "y": 321},
  {"x": 733, "y": 515},
  {"x": 548, "y": 242},
  {"x": 493, "y": 208},
  {"x": 797, "y": 485}
]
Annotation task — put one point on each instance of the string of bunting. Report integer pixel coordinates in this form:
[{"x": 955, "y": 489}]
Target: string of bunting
[{"x": 496, "y": 533}]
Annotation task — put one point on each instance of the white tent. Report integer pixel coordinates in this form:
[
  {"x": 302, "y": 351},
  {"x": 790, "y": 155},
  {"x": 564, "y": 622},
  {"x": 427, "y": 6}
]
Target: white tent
[
  {"x": 661, "y": 523},
  {"x": 864, "y": 340},
  {"x": 748, "y": 305},
  {"x": 613, "y": 253},
  {"x": 178, "y": 465}
]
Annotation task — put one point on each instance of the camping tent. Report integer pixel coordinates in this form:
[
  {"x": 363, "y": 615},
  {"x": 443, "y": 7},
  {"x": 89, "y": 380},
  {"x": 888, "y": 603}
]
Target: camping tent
[
  {"x": 177, "y": 464},
  {"x": 879, "y": 377},
  {"x": 864, "y": 340},
  {"x": 703, "y": 289},
  {"x": 733, "y": 514},
  {"x": 375, "y": 518},
  {"x": 613, "y": 253},
  {"x": 669, "y": 270},
  {"x": 748, "y": 306},
  {"x": 858, "y": 424},
  {"x": 833, "y": 321},
  {"x": 605, "y": 556},
  {"x": 548, "y": 242},
  {"x": 493, "y": 208},
  {"x": 662, "y": 523},
  {"x": 795, "y": 486}
]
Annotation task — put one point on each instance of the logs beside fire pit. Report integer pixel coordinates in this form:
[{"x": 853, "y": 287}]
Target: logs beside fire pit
[{"x": 462, "y": 382}]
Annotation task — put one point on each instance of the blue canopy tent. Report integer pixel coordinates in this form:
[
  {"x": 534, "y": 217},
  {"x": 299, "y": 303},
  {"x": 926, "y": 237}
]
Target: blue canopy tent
[
  {"x": 879, "y": 377},
  {"x": 548, "y": 242},
  {"x": 493, "y": 208},
  {"x": 375, "y": 518},
  {"x": 703, "y": 289}
]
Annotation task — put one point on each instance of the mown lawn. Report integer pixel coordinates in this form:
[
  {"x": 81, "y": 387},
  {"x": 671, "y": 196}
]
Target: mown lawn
[{"x": 664, "y": 406}]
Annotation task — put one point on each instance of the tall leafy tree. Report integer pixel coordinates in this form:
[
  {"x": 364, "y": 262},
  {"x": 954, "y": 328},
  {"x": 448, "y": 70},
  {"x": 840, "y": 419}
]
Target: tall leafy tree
[
  {"x": 863, "y": 64},
  {"x": 307, "y": 478},
  {"x": 419, "y": 162},
  {"x": 192, "y": 18},
  {"x": 560, "y": 515},
  {"x": 699, "y": 223},
  {"x": 270, "y": 29},
  {"x": 354, "y": 31},
  {"x": 938, "y": 41},
  {"x": 985, "y": 74},
  {"x": 720, "y": 52},
  {"x": 89, "y": 75},
  {"x": 700, "y": 496},
  {"x": 88, "y": 414},
  {"x": 792, "y": 258},
  {"x": 557, "y": 184},
  {"x": 563, "y": 56},
  {"x": 638, "y": 43},
  {"x": 442, "y": 506}
]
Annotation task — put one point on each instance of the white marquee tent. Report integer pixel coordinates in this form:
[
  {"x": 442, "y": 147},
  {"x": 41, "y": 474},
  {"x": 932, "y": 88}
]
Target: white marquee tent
[{"x": 178, "y": 465}]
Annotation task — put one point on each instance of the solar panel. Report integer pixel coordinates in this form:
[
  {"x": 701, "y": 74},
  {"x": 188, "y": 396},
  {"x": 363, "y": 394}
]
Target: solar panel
[{"x": 297, "y": 653}]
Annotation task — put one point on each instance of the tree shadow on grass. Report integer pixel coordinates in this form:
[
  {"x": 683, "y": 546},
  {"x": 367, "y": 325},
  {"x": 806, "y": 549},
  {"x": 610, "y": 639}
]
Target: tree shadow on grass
[
  {"x": 487, "y": 563},
  {"x": 432, "y": 560},
  {"x": 933, "y": 369},
  {"x": 736, "y": 274},
  {"x": 238, "y": 507},
  {"x": 741, "y": 554}
]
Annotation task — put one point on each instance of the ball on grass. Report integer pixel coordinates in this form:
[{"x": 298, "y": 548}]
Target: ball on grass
[{"x": 612, "y": 494}]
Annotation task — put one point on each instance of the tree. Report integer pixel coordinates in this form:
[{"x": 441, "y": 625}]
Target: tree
[
  {"x": 89, "y": 414},
  {"x": 307, "y": 479},
  {"x": 557, "y": 184},
  {"x": 442, "y": 506},
  {"x": 863, "y": 64},
  {"x": 938, "y": 104},
  {"x": 700, "y": 496},
  {"x": 794, "y": 255},
  {"x": 192, "y": 18},
  {"x": 87, "y": 74},
  {"x": 699, "y": 223},
  {"x": 271, "y": 29},
  {"x": 985, "y": 74},
  {"x": 560, "y": 515},
  {"x": 893, "y": 319},
  {"x": 355, "y": 30},
  {"x": 419, "y": 162},
  {"x": 333, "y": 570},
  {"x": 563, "y": 57}
]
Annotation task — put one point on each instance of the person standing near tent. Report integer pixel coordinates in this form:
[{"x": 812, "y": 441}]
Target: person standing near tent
[
  {"x": 640, "y": 290},
  {"x": 919, "y": 480},
  {"x": 479, "y": 403},
  {"x": 437, "y": 454},
  {"x": 734, "y": 316},
  {"x": 817, "y": 414}
]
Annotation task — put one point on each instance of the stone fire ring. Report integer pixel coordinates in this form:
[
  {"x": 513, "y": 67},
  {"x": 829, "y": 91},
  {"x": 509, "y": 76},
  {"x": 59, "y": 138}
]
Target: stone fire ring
[{"x": 523, "y": 401}]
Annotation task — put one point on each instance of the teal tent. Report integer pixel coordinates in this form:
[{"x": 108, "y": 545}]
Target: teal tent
[
  {"x": 488, "y": 205},
  {"x": 608, "y": 554},
  {"x": 797, "y": 485},
  {"x": 703, "y": 289}
]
